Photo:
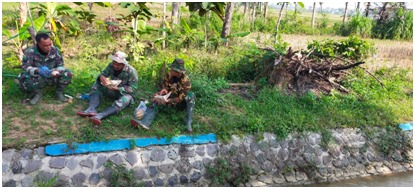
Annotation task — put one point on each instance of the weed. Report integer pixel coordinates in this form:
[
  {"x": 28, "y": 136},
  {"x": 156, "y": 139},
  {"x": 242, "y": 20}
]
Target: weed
[
  {"x": 326, "y": 138},
  {"x": 121, "y": 177},
  {"x": 219, "y": 173},
  {"x": 48, "y": 183}
]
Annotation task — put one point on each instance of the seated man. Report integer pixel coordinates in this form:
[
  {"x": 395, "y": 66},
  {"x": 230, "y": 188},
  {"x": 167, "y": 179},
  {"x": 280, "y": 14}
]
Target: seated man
[
  {"x": 118, "y": 69},
  {"x": 43, "y": 65},
  {"x": 177, "y": 83}
]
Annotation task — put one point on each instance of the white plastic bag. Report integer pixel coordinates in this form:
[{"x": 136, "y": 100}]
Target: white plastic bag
[{"x": 140, "y": 111}]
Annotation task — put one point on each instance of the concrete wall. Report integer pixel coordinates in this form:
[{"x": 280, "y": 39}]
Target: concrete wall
[{"x": 295, "y": 160}]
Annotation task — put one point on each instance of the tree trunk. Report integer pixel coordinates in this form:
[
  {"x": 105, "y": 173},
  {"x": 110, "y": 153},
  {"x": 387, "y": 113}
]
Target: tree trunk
[
  {"x": 295, "y": 8},
  {"x": 260, "y": 8},
  {"x": 358, "y": 8},
  {"x": 164, "y": 25},
  {"x": 253, "y": 13},
  {"x": 90, "y": 4},
  {"x": 286, "y": 9},
  {"x": 279, "y": 20},
  {"x": 313, "y": 16},
  {"x": 174, "y": 14},
  {"x": 382, "y": 13},
  {"x": 265, "y": 9},
  {"x": 367, "y": 9},
  {"x": 226, "y": 29},
  {"x": 246, "y": 5},
  {"x": 23, "y": 13},
  {"x": 345, "y": 13},
  {"x": 321, "y": 6}
]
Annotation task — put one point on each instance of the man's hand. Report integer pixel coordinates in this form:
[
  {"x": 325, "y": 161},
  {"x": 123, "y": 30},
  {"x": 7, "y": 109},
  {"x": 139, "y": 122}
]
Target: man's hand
[
  {"x": 104, "y": 80},
  {"x": 55, "y": 73},
  {"x": 163, "y": 91},
  {"x": 44, "y": 71}
]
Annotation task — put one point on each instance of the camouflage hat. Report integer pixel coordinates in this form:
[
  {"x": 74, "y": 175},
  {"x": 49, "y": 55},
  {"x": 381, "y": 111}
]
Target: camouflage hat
[
  {"x": 119, "y": 57},
  {"x": 178, "y": 65}
]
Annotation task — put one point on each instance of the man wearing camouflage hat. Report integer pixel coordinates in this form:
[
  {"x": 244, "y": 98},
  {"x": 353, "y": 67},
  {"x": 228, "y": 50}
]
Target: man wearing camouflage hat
[
  {"x": 118, "y": 69},
  {"x": 43, "y": 65},
  {"x": 177, "y": 83}
]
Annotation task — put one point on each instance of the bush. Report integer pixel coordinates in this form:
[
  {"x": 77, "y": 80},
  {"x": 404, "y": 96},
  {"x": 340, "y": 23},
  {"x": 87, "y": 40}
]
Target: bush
[{"x": 352, "y": 48}]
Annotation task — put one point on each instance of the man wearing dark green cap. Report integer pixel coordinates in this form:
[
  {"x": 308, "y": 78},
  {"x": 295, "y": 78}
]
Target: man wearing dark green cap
[{"x": 177, "y": 83}]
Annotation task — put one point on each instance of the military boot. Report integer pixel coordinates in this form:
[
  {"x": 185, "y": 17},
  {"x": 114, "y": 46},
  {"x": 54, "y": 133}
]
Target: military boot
[
  {"x": 190, "y": 104},
  {"x": 94, "y": 101},
  {"x": 107, "y": 112},
  {"x": 37, "y": 96},
  {"x": 147, "y": 119},
  {"x": 188, "y": 118},
  {"x": 59, "y": 93}
]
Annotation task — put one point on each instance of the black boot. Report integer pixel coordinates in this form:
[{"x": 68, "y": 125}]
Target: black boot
[
  {"x": 107, "y": 112},
  {"x": 59, "y": 93},
  {"x": 37, "y": 96},
  {"x": 188, "y": 118},
  {"x": 94, "y": 100},
  {"x": 147, "y": 119}
]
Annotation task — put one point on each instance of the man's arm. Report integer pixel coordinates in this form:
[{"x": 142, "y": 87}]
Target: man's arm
[
  {"x": 131, "y": 85},
  {"x": 27, "y": 63},
  {"x": 59, "y": 64}
]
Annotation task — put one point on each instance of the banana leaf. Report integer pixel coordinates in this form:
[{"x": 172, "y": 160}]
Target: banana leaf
[{"x": 24, "y": 33}]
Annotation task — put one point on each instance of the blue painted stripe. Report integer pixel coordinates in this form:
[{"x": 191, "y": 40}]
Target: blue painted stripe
[{"x": 123, "y": 144}]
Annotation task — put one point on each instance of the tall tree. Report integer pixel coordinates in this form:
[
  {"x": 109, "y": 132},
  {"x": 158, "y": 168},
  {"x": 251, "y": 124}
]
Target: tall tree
[
  {"x": 279, "y": 19},
  {"x": 367, "y": 9},
  {"x": 164, "y": 25},
  {"x": 265, "y": 9},
  {"x": 174, "y": 13},
  {"x": 358, "y": 8},
  {"x": 314, "y": 15},
  {"x": 345, "y": 13},
  {"x": 254, "y": 5},
  {"x": 321, "y": 6},
  {"x": 226, "y": 29}
]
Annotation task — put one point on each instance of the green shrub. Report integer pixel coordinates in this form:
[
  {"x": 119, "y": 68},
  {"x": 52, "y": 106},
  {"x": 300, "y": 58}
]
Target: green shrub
[{"x": 352, "y": 48}]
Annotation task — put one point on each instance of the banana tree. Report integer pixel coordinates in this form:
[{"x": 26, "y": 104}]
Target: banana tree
[{"x": 22, "y": 37}]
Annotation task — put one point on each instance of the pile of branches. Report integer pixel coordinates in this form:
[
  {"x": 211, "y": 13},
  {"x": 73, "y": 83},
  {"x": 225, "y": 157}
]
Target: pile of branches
[{"x": 302, "y": 72}]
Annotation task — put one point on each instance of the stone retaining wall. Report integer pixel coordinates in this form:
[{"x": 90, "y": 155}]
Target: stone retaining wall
[{"x": 245, "y": 161}]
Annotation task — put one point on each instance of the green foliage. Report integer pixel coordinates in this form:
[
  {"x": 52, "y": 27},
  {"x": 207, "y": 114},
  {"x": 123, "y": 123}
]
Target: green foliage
[
  {"x": 121, "y": 177},
  {"x": 398, "y": 26},
  {"x": 219, "y": 173},
  {"x": 48, "y": 183},
  {"x": 352, "y": 48},
  {"x": 359, "y": 25},
  {"x": 206, "y": 89}
]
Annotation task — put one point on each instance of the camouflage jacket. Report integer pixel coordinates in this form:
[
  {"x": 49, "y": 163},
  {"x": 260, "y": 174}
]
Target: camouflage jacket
[
  {"x": 178, "y": 87},
  {"x": 33, "y": 59},
  {"x": 128, "y": 77}
]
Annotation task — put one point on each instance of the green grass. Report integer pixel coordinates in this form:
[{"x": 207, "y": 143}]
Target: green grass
[{"x": 260, "y": 109}]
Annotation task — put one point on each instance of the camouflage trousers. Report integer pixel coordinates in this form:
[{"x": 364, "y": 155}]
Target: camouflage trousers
[
  {"x": 123, "y": 100},
  {"x": 31, "y": 83}
]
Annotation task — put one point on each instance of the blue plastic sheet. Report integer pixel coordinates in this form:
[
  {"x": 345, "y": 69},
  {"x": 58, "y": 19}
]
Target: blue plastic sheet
[
  {"x": 406, "y": 126},
  {"x": 123, "y": 144}
]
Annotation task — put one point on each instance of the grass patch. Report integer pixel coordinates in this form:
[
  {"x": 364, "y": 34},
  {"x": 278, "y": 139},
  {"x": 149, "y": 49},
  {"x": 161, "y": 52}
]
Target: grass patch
[{"x": 219, "y": 108}]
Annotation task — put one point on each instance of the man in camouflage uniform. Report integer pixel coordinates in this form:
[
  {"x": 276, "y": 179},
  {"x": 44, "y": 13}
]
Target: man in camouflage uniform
[
  {"x": 43, "y": 65},
  {"x": 178, "y": 83},
  {"x": 118, "y": 69}
]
